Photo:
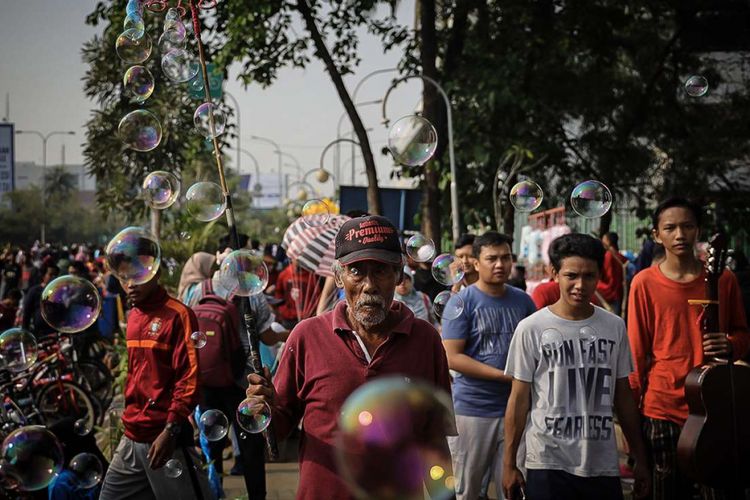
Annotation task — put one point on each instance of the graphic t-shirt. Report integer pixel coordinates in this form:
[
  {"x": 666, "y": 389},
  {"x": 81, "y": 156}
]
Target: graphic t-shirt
[
  {"x": 486, "y": 324},
  {"x": 572, "y": 367}
]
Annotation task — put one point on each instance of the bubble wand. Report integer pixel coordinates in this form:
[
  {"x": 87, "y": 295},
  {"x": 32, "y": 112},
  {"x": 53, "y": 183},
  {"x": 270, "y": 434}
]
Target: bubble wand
[{"x": 249, "y": 322}]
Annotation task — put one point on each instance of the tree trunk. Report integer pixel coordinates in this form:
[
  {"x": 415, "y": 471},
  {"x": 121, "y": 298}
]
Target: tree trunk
[
  {"x": 433, "y": 111},
  {"x": 373, "y": 192}
]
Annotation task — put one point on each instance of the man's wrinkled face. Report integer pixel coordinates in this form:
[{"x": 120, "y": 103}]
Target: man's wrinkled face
[{"x": 369, "y": 287}]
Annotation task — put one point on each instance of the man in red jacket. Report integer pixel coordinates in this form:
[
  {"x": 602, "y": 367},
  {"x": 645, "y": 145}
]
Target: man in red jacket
[
  {"x": 612, "y": 281},
  {"x": 160, "y": 394}
]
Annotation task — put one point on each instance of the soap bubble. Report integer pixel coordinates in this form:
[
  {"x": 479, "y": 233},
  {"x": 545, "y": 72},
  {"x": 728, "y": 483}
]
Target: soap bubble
[
  {"x": 447, "y": 269},
  {"x": 138, "y": 83},
  {"x": 587, "y": 335},
  {"x": 173, "y": 468},
  {"x": 133, "y": 46},
  {"x": 133, "y": 7},
  {"x": 70, "y": 304},
  {"x": 179, "y": 65},
  {"x": 18, "y": 350},
  {"x": 526, "y": 196},
  {"x": 412, "y": 140},
  {"x": 315, "y": 213},
  {"x": 254, "y": 415},
  {"x": 392, "y": 437},
  {"x": 198, "y": 339},
  {"x": 88, "y": 470},
  {"x": 161, "y": 189},
  {"x": 140, "y": 130},
  {"x": 175, "y": 29},
  {"x": 185, "y": 235},
  {"x": 420, "y": 248},
  {"x": 172, "y": 15},
  {"x": 696, "y": 86},
  {"x": 591, "y": 199},
  {"x": 214, "y": 425},
  {"x": 196, "y": 84},
  {"x": 205, "y": 201},
  {"x": 135, "y": 22},
  {"x": 133, "y": 255},
  {"x": 34, "y": 457},
  {"x": 448, "y": 305},
  {"x": 552, "y": 340},
  {"x": 202, "y": 120},
  {"x": 82, "y": 426},
  {"x": 243, "y": 273},
  {"x": 167, "y": 42}
]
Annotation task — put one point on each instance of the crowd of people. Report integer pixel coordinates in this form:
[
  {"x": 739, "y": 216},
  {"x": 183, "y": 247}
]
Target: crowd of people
[{"x": 543, "y": 381}]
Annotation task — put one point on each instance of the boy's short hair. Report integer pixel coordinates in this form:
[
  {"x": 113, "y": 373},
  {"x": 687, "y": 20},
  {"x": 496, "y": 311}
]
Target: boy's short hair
[
  {"x": 490, "y": 239},
  {"x": 464, "y": 240},
  {"x": 614, "y": 238},
  {"x": 677, "y": 202},
  {"x": 576, "y": 245}
]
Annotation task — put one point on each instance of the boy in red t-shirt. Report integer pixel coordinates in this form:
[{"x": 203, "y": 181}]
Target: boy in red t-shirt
[{"x": 666, "y": 340}]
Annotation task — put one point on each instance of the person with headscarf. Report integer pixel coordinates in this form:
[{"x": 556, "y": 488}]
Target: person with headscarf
[{"x": 196, "y": 269}]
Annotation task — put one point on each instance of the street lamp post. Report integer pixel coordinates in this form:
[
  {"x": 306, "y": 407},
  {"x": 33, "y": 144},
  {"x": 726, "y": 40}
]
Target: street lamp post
[
  {"x": 335, "y": 142},
  {"x": 44, "y": 138},
  {"x": 278, "y": 155},
  {"x": 337, "y": 159},
  {"x": 456, "y": 225},
  {"x": 258, "y": 186},
  {"x": 296, "y": 164}
]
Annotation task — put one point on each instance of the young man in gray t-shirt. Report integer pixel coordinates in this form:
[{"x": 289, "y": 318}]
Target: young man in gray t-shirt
[{"x": 570, "y": 364}]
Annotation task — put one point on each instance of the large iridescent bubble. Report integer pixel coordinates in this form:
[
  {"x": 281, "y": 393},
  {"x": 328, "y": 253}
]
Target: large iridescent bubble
[
  {"x": 140, "y": 130},
  {"x": 70, "y": 304},
  {"x": 32, "y": 455},
  {"x": 591, "y": 199},
  {"x": 243, "y": 273},
  {"x": 18, "y": 350},
  {"x": 161, "y": 189},
  {"x": 209, "y": 119},
  {"x": 205, "y": 201},
  {"x": 391, "y": 440},
  {"x": 138, "y": 83},
  {"x": 133, "y": 255},
  {"x": 254, "y": 415},
  {"x": 526, "y": 196},
  {"x": 214, "y": 425},
  {"x": 412, "y": 140},
  {"x": 420, "y": 248},
  {"x": 447, "y": 269},
  {"x": 179, "y": 65},
  {"x": 133, "y": 46}
]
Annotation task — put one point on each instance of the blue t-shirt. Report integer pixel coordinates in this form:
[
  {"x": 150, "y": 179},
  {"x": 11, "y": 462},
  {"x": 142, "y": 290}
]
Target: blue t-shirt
[{"x": 486, "y": 324}]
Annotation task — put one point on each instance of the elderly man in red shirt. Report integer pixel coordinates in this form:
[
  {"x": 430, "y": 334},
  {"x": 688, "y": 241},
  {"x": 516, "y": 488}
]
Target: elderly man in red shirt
[{"x": 364, "y": 337}]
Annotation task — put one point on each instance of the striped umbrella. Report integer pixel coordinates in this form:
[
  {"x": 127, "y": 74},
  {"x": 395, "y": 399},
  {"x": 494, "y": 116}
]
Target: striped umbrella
[{"x": 313, "y": 246}]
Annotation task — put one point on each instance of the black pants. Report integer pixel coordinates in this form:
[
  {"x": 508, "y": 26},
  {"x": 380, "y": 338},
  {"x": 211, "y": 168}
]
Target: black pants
[
  {"x": 559, "y": 485},
  {"x": 252, "y": 446}
]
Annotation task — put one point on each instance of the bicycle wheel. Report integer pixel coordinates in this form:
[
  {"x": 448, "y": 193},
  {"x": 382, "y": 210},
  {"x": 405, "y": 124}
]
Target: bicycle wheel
[
  {"x": 58, "y": 400},
  {"x": 96, "y": 377}
]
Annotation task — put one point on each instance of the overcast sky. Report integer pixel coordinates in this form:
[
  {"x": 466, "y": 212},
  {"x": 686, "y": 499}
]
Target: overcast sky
[{"x": 41, "y": 70}]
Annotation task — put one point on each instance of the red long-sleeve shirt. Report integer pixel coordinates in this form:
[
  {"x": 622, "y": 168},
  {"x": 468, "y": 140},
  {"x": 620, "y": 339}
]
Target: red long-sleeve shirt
[
  {"x": 666, "y": 339},
  {"x": 611, "y": 283},
  {"x": 162, "y": 383}
]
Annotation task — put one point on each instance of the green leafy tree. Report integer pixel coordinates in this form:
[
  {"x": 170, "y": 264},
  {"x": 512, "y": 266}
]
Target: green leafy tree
[
  {"x": 260, "y": 36},
  {"x": 58, "y": 182}
]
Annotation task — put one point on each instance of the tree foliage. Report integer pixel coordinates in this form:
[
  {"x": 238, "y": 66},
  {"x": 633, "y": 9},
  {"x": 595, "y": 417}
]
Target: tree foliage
[{"x": 594, "y": 89}]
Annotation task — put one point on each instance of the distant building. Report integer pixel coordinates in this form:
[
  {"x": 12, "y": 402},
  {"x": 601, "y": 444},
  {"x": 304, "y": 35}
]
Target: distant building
[{"x": 28, "y": 174}]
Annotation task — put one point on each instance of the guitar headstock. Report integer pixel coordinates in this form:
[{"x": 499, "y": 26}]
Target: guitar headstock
[{"x": 717, "y": 256}]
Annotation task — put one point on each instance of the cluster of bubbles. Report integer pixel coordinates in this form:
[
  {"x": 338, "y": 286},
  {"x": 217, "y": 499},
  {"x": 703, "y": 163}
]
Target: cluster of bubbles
[
  {"x": 552, "y": 339},
  {"x": 589, "y": 199},
  {"x": 30, "y": 458},
  {"x": 177, "y": 63},
  {"x": 214, "y": 425},
  {"x": 412, "y": 140},
  {"x": 392, "y": 440},
  {"x": 446, "y": 269}
]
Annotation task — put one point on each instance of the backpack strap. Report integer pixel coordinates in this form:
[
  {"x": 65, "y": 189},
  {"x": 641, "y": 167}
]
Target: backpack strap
[{"x": 207, "y": 287}]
